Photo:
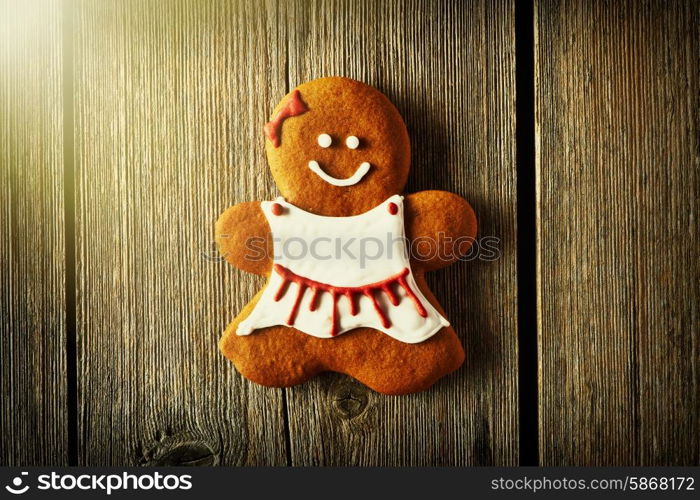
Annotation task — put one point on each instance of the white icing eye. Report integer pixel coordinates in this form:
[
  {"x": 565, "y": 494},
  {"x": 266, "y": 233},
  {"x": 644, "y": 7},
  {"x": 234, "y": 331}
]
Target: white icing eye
[
  {"x": 352, "y": 142},
  {"x": 324, "y": 140}
]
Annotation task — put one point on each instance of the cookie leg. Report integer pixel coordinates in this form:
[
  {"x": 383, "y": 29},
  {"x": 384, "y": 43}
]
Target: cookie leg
[{"x": 272, "y": 356}]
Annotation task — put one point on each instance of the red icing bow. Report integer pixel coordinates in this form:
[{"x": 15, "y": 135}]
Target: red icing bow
[{"x": 294, "y": 106}]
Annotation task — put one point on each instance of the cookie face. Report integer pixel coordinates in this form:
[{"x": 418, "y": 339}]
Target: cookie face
[{"x": 338, "y": 137}]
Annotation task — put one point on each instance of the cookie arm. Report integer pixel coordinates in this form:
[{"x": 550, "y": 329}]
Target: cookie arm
[
  {"x": 244, "y": 238},
  {"x": 441, "y": 227}
]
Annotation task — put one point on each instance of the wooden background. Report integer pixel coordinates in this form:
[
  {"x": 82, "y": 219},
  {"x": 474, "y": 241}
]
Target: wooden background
[{"x": 127, "y": 127}]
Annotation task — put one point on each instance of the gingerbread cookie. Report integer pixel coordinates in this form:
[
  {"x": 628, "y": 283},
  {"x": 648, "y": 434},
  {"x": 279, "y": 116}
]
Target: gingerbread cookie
[{"x": 346, "y": 289}]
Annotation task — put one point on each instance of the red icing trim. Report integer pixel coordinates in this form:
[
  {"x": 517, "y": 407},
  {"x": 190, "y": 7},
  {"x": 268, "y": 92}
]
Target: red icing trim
[
  {"x": 294, "y": 107},
  {"x": 349, "y": 291},
  {"x": 392, "y": 296},
  {"x": 393, "y": 209},
  {"x": 385, "y": 321},
  {"x": 295, "y": 307},
  {"x": 314, "y": 298},
  {"x": 277, "y": 209},
  {"x": 281, "y": 290},
  {"x": 353, "y": 304},
  {"x": 419, "y": 307},
  {"x": 334, "y": 322}
]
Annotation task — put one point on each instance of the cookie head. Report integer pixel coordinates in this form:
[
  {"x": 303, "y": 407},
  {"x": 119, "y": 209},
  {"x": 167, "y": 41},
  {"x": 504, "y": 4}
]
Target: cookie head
[{"x": 337, "y": 147}]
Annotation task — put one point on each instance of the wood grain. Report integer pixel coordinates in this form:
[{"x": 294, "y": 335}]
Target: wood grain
[
  {"x": 617, "y": 102},
  {"x": 33, "y": 417},
  {"x": 169, "y": 102},
  {"x": 449, "y": 68}
]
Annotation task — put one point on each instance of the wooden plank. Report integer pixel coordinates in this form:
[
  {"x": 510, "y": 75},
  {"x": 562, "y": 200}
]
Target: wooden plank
[
  {"x": 618, "y": 195},
  {"x": 449, "y": 68},
  {"x": 33, "y": 419},
  {"x": 169, "y": 97}
]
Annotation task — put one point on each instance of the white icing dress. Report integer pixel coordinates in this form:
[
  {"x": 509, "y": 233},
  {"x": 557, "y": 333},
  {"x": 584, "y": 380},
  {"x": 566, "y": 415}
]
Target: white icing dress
[{"x": 333, "y": 274}]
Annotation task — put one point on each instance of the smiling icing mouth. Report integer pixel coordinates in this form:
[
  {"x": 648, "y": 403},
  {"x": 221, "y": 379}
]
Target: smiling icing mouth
[{"x": 353, "y": 179}]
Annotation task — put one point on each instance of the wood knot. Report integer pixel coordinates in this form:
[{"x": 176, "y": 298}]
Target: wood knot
[
  {"x": 178, "y": 452},
  {"x": 348, "y": 397}
]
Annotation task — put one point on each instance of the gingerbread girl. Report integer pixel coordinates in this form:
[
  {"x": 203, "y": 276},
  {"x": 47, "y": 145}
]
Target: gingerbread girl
[{"x": 345, "y": 293}]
